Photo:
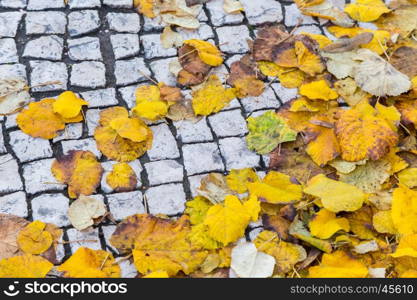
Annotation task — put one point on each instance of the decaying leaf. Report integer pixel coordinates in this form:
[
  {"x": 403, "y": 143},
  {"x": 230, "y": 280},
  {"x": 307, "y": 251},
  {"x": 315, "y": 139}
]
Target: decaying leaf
[
  {"x": 403, "y": 58},
  {"x": 194, "y": 71},
  {"x": 401, "y": 20},
  {"x": 170, "y": 38},
  {"x": 10, "y": 227},
  {"x": 207, "y": 52},
  {"x": 248, "y": 262},
  {"x": 84, "y": 210},
  {"x": 214, "y": 188},
  {"x": 89, "y": 263},
  {"x": 80, "y": 170},
  {"x": 267, "y": 131}
]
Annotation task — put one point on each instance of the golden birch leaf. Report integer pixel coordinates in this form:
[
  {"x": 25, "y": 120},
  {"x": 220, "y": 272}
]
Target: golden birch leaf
[
  {"x": 24, "y": 266},
  {"x": 318, "y": 90},
  {"x": 146, "y": 7},
  {"x": 276, "y": 188},
  {"x": 408, "y": 177},
  {"x": 307, "y": 61},
  {"x": 361, "y": 223},
  {"x": 149, "y": 104},
  {"x": 122, "y": 178},
  {"x": 207, "y": 52},
  {"x": 89, "y": 263},
  {"x": 68, "y": 105},
  {"x": 404, "y": 209},
  {"x": 286, "y": 254},
  {"x": 80, "y": 170},
  {"x": 322, "y": 40},
  {"x": 324, "y": 224},
  {"x": 34, "y": 238},
  {"x": 162, "y": 245},
  {"x": 197, "y": 209},
  {"x": 130, "y": 128},
  {"x": 84, "y": 210},
  {"x": 366, "y": 10},
  {"x": 338, "y": 264},
  {"x": 377, "y": 76},
  {"x": 39, "y": 120},
  {"x": 227, "y": 222},
  {"x": 238, "y": 180},
  {"x": 382, "y": 222},
  {"x": 157, "y": 274},
  {"x": 288, "y": 77},
  {"x": 335, "y": 196},
  {"x": 363, "y": 134},
  {"x": 407, "y": 246}
]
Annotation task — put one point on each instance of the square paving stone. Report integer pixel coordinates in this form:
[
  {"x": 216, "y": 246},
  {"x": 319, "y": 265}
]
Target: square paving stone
[
  {"x": 124, "y": 22},
  {"x": 92, "y": 118},
  {"x": 284, "y": 93},
  {"x": 83, "y": 22},
  {"x": 131, "y": 71},
  {"x": 86, "y": 48},
  {"x": 28, "y": 148},
  {"x": 14, "y": 70},
  {"x": 2, "y": 146},
  {"x": 125, "y": 45},
  {"x": 164, "y": 171},
  {"x": 46, "y": 22},
  {"x": 219, "y": 17},
  {"x": 84, "y": 144},
  {"x": 89, "y": 74},
  {"x": 237, "y": 155},
  {"x": 45, "y": 4},
  {"x": 233, "y": 39},
  {"x": 8, "y": 51},
  {"x": 293, "y": 15},
  {"x": 14, "y": 204},
  {"x": 100, "y": 98},
  {"x": 228, "y": 123},
  {"x": 164, "y": 145},
  {"x": 47, "y": 47},
  {"x": 44, "y": 72},
  {"x": 84, "y": 3},
  {"x": 190, "y": 132},
  {"x": 9, "y": 21},
  {"x": 72, "y": 131},
  {"x": 204, "y": 32},
  {"x": 51, "y": 208},
  {"x": 9, "y": 174},
  {"x": 268, "y": 99},
  {"x": 118, "y": 3},
  {"x": 167, "y": 199},
  {"x": 260, "y": 12},
  {"x": 128, "y": 95},
  {"x": 123, "y": 205},
  {"x": 202, "y": 158},
  {"x": 13, "y": 3},
  {"x": 38, "y": 177},
  {"x": 153, "y": 46},
  {"x": 159, "y": 68},
  {"x": 88, "y": 238}
]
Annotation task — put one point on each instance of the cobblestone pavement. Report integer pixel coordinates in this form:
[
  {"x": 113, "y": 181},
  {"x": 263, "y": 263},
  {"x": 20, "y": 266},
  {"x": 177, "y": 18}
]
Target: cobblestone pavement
[{"x": 101, "y": 49}]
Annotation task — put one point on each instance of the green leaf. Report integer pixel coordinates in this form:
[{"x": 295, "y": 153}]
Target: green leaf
[{"x": 267, "y": 131}]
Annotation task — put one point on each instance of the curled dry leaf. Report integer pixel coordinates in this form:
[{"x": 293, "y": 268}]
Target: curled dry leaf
[
  {"x": 10, "y": 226},
  {"x": 349, "y": 44},
  {"x": 84, "y": 210},
  {"x": 207, "y": 52},
  {"x": 232, "y": 6},
  {"x": 326, "y": 10},
  {"x": 80, "y": 170},
  {"x": 378, "y": 77},
  {"x": 13, "y": 95},
  {"x": 214, "y": 188},
  {"x": 248, "y": 262},
  {"x": 170, "y": 38},
  {"x": 194, "y": 70}
]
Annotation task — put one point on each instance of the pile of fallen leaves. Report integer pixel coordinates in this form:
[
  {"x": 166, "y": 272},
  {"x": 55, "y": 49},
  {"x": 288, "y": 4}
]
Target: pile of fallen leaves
[{"x": 338, "y": 199}]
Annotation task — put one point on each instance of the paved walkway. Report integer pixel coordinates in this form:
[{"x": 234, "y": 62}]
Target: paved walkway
[{"x": 100, "y": 49}]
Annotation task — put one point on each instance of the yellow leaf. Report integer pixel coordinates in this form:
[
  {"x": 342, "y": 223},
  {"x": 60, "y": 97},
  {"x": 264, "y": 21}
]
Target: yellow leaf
[
  {"x": 408, "y": 110},
  {"x": 80, "y": 170},
  {"x": 248, "y": 86},
  {"x": 68, "y": 105},
  {"x": 382, "y": 222},
  {"x": 207, "y": 52},
  {"x": 407, "y": 246},
  {"x": 200, "y": 238},
  {"x": 335, "y": 195},
  {"x": 408, "y": 177},
  {"x": 404, "y": 210},
  {"x": 25, "y": 266},
  {"x": 276, "y": 188},
  {"x": 302, "y": 104},
  {"x": 130, "y": 128},
  {"x": 197, "y": 209},
  {"x": 308, "y": 61},
  {"x": 88, "y": 263},
  {"x": 39, "y": 120},
  {"x": 162, "y": 245},
  {"x": 286, "y": 254},
  {"x": 238, "y": 180},
  {"x": 212, "y": 97},
  {"x": 318, "y": 90},
  {"x": 366, "y": 10},
  {"x": 34, "y": 239},
  {"x": 322, "y": 40},
  {"x": 227, "y": 222},
  {"x": 364, "y": 134},
  {"x": 288, "y": 77},
  {"x": 146, "y": 7},
  {"x": 157, "y": 274},
  {"x": 338, "y": 265},
  {"x": 324, "y": 224},
  {"x": 361, "y": 223},
  {"x": 122, "y": 178},
  {"x": 350, "y": 92},
  {"x": 377, "y": 44},
  {"x": 253, "y": 207}
]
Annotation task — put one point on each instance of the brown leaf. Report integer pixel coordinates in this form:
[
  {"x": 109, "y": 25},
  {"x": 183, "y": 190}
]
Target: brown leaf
[
  {"x": 266, "y": 41},
  {"x": 10, "y": 227},
  {"x": 170, "y": 94},
  {"x": 279, "y": 225},
  {"x": 403, "y": 59},
  {"x": 345, "y": 45},
  {"x": 194, "y": 69}
]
